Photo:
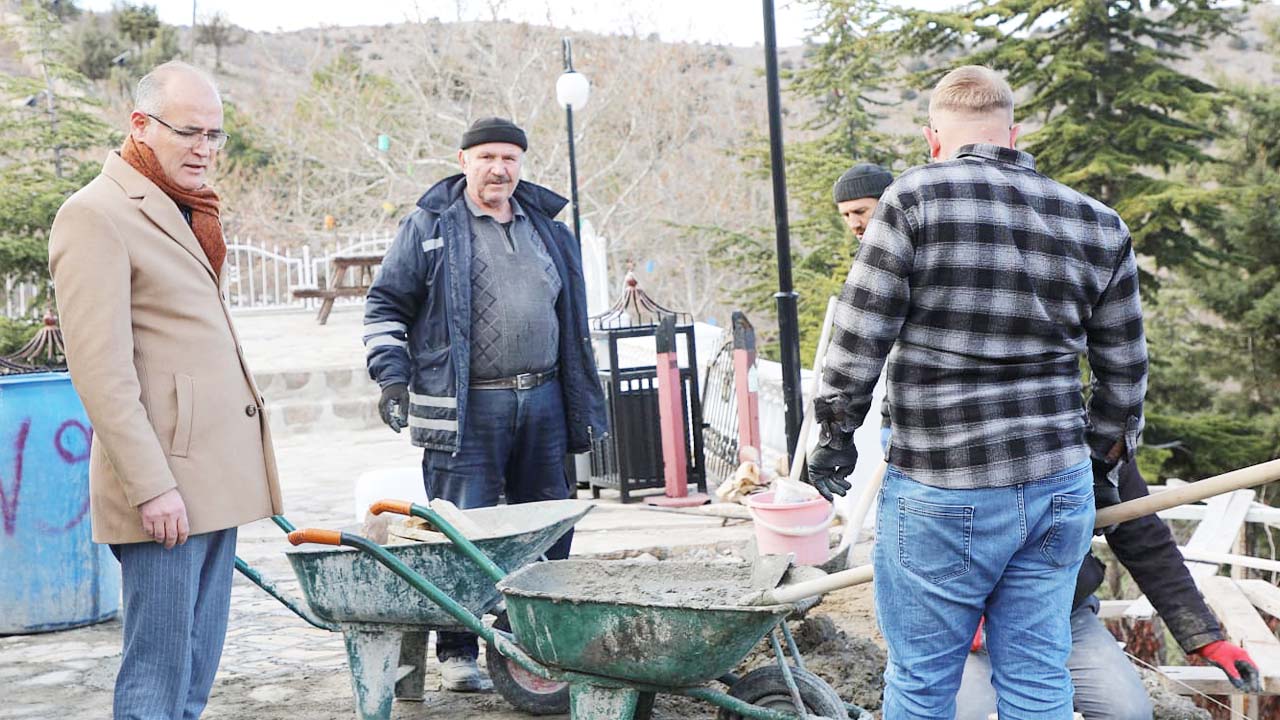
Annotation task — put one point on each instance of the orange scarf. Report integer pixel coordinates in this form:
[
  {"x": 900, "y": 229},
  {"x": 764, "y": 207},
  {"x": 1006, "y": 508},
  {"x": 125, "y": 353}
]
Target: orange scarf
[{"x": 202, "y": 203}]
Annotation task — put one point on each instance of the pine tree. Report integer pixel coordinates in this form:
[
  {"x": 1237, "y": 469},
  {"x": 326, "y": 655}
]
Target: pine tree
[
  {"x": 50, "y": 142},
  {"x": 1116, "y": 117},
  {"x": 842, "y": 76},
  {"x": 1244, "y": 290}
]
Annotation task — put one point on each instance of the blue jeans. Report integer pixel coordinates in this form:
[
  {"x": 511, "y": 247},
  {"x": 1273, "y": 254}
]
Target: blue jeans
[
  {"x": 944, "y": 557},
  {"x": 513, "y": 444},
  {"x": 1106, "y": 685},
  {"x": 175, "y": 620}
]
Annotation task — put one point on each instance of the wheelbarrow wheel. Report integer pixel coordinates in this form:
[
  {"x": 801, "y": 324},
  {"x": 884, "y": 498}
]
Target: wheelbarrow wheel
[
  {"x": 766, "y": 687},
  {"x": 524, "y": 690}
]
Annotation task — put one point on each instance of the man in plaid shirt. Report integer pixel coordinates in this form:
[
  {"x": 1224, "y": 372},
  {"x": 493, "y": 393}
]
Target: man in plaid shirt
[{"x": 982, "y": 282}]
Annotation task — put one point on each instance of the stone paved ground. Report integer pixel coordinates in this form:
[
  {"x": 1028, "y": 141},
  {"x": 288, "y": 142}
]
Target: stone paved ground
[{"x": 275, "y": 665}]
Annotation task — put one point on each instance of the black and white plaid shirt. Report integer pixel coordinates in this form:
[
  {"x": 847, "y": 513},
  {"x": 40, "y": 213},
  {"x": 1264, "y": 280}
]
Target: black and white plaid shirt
[{"x": 982, "y": 282}]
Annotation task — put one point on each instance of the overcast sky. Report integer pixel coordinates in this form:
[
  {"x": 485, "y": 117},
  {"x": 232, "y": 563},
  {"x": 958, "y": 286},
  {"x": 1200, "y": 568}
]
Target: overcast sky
[{"x": 732, "y": 22}]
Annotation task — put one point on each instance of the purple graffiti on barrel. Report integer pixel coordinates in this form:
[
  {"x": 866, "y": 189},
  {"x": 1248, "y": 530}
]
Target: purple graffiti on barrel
[
  {"x": 70, "y": 458},
  {"x": 9, "y": 502},
  {"x": 70, "y": 455}
]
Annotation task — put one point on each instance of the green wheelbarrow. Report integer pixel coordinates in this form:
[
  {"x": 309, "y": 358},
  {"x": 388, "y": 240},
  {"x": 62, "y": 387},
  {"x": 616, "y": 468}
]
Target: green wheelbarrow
[
  {"x": 384, "y": 620},
  {"x": 620, "y": 633}
]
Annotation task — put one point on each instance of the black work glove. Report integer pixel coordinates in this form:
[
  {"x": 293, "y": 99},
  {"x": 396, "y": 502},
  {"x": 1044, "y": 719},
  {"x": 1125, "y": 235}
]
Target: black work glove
[
  {"x": 394, "y": 406},
  {"x": 833, "y": 460},
  {"x": 1105, "y": 492},
  {"x": 828, "y": 467}
]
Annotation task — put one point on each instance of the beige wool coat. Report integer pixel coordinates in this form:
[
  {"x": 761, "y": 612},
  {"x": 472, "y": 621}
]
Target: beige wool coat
[{"x": 156, "y": 361}]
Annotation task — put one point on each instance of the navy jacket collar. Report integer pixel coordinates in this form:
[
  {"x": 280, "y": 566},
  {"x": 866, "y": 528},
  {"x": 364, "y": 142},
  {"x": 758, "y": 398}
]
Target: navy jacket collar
[{"x": 529, "y": 195}]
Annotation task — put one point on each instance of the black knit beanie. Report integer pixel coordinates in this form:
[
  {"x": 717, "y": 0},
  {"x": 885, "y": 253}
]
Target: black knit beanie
[
  {"x": 494, "y": 129},
  {"x": 861, "y": 181}
]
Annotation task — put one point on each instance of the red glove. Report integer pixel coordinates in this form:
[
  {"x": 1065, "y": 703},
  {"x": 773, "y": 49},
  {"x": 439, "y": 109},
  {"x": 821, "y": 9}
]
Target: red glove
[
  {"x": 1241, "y": 670},
  {"x": 976, "y": 645}
]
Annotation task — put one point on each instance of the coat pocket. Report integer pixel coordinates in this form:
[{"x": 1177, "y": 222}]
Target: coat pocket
[{"x": 186, "y": 390}]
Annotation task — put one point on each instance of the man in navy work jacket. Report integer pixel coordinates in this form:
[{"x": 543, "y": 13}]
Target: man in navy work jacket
[
  {"x": 982, "y": 282},
  {"x": 476, "y": 331}
]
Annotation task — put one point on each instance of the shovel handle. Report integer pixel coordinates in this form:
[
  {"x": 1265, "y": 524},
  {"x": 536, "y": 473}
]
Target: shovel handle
[
  {"x": 315, "y": 535},
  {"x": 1251, "y": 476},
  {"x": 398, "y": 507}
]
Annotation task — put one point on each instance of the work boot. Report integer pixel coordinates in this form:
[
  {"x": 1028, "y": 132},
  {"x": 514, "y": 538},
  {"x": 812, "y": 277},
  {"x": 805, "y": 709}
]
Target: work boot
[{"x": 461, "y": 674}]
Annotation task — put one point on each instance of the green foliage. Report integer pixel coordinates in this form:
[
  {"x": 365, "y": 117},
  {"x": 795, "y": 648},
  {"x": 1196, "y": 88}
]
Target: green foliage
[
  {"x": 1116, "y": 115},
  {"x": 96, "y": 46},
  {"x": 1207, "y": 444},
  {"x": 248, "y": 150},
  {"x": 15, "y": 332},
  {"x": 139, "y": 24},
  {"x": 50, "y": 138},
  {"x": 842, "y": 75},
  {"x": 1245, "y": 291}
]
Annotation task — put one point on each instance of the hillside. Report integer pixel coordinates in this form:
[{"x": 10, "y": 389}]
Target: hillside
[{"x": 657, "y": 143}]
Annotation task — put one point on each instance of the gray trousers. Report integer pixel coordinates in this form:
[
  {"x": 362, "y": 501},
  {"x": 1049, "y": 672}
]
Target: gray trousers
[
  {"x": 1107, "y": 687},
  {"x": 176, "y": 603}
]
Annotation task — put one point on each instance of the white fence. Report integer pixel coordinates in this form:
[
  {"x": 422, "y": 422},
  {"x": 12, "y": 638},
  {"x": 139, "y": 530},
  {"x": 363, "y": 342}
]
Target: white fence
[
  {"x": 20, "y": 298},
  {"x": 258, "y": 277},
  {"x": 265, "y": 278}
]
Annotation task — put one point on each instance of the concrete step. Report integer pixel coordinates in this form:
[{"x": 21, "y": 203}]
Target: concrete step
[
  {"x": 320, "y": 384},
  {"x": 338, "y": 413}
]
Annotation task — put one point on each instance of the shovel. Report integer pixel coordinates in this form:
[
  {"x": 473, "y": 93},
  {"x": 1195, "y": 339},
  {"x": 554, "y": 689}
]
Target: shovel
[{"x": 1251, "y": 476}]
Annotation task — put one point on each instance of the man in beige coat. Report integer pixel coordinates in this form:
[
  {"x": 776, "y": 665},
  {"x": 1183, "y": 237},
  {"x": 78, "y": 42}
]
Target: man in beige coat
[{"x": 181, "y": 453}]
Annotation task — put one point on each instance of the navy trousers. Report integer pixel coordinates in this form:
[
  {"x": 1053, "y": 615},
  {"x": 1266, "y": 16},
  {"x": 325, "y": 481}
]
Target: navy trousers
[
  {"x": 175, "y": 620},
  {"x": 513, "y": 444}
]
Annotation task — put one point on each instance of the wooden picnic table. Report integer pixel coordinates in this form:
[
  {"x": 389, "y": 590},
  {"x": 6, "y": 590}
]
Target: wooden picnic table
[{"x": 360, "y": 265}]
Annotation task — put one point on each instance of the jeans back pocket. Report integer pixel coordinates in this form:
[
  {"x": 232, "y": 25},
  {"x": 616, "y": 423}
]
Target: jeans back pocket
[
  {"x": 934, "y": 541},
  {"x": 1072, "y": 530}
]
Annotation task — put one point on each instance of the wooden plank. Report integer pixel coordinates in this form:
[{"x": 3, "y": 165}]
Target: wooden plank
[
  {"x": 1201, "y": 678},
  {"x": 1224, "y": 516},
  {"x": 1258, "y": 513},
  {"x": 1263, "y": 595},
  {"x": 1109, "y": 609},
  {"x": 1235, "y": 561},
  {"x": 1244, "y": 626}
]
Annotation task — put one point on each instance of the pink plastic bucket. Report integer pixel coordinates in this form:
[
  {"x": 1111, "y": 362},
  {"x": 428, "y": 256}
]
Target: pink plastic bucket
[{"x": 799, "y": 528}]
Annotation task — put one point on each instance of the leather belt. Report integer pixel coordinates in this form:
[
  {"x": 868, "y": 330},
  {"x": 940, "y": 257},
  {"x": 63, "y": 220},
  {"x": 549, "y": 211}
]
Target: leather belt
[{"x": 523, "y": 381}]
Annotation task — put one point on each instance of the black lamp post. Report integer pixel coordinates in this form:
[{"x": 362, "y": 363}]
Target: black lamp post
[
  {"x": 572, "y": 89},
  {"x": 788, "y": 316}
]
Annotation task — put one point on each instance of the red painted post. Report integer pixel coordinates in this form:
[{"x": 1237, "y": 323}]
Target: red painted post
[
  {"x": 671, "y": 415},
  {"x": 746, "y": 385}
]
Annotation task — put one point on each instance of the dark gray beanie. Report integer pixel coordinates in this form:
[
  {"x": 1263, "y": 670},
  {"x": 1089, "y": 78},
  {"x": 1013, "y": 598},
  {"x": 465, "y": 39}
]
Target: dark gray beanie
[
  {"x": 494, "y": 129},
  {"x": 861, "y": 181}
]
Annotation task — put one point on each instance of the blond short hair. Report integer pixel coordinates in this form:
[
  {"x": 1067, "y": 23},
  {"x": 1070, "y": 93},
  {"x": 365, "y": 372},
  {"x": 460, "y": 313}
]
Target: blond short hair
[{"x": 972, "y": 90}]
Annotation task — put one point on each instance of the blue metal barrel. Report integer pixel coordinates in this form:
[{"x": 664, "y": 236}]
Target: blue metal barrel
[{"x": 52, "y": 576}]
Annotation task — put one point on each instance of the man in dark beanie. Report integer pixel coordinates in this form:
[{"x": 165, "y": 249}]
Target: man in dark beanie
[
  {"x": 476, "y": 330},
  {"x": 857, "y": 192}
]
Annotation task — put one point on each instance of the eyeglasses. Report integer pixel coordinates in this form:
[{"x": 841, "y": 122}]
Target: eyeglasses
[{"x": 216, "y": 138}]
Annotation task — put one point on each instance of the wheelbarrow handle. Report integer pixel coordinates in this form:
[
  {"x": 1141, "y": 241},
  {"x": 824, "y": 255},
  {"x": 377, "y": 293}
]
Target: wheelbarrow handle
[
  {"x": 397, "y": 507},
  {"x": 270, "y": 588},
  {"x": 317, "y": 536},
  {"x": 465, "y": 546}
]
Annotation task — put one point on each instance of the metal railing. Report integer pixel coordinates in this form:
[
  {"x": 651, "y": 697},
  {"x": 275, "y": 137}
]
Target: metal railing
[{"x": 259, "y": 277}]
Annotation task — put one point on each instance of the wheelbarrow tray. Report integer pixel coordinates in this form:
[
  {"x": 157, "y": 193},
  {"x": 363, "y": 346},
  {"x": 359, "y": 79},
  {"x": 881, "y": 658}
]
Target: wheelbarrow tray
[
  {"x": 344, "y": 585},
  {"x": 670, "y": 624}
]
